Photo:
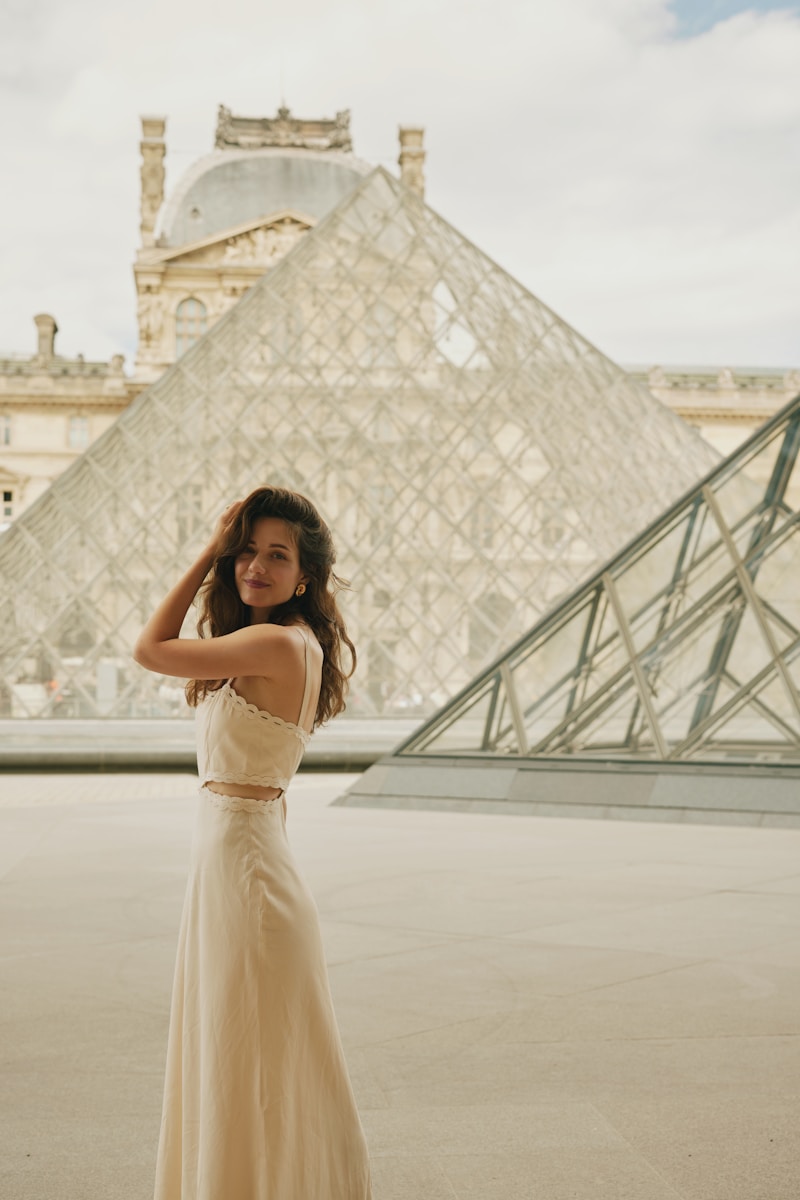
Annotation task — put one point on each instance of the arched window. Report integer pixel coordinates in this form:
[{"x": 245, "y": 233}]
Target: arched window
[{"x": 190, "y": 324}]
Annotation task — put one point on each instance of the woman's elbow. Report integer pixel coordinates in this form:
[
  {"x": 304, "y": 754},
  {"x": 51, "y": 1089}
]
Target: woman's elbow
[{"x": 143, "y": 655}]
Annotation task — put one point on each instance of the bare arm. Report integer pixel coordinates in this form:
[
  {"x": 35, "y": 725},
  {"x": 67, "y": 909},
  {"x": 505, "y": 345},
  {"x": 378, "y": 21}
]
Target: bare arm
[
  {"x": 268, "y": 650},
  {"x": 271, "y": 651},
  {"x": 165, "y": 624}
]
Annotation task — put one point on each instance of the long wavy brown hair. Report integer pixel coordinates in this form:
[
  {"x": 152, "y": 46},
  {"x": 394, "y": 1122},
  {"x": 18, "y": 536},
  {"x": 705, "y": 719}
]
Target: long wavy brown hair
[{"x": 222, "y": 610}]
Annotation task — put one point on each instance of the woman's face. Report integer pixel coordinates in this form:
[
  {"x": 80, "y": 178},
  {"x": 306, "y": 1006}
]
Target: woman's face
[{"x": 268, "y": 571}]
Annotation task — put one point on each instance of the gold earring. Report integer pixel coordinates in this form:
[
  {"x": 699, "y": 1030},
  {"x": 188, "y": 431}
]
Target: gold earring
[{"x": 300, "y": 590}]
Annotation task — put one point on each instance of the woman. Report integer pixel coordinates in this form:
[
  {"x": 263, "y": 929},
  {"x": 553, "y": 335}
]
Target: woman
[{"x": 257, "y": 1100}]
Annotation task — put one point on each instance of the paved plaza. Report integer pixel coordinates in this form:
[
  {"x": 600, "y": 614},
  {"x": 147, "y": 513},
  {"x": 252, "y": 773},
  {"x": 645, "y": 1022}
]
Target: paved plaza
[{"x": 532, "y": 1008}]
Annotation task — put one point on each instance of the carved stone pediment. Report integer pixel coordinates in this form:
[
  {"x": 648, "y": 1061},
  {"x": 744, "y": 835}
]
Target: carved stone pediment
[{"x": 259, "y": 245}]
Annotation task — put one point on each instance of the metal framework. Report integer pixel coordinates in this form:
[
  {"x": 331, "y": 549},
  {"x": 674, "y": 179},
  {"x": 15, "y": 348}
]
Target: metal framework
[
  {"x": 685, "y": 645},
  {"x": 475, "y": 457}
]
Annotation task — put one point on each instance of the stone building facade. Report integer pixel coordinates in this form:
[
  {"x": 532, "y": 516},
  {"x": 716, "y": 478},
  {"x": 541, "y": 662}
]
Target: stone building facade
[{"x": 51, "y": 409}]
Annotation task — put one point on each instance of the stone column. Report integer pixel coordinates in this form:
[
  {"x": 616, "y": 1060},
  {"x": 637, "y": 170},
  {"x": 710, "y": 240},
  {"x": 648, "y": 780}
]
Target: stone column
[
  {"x": 412, "y": 159},
  {"x": 153, "y": 148},
  {"x": 47, "y": 329}
]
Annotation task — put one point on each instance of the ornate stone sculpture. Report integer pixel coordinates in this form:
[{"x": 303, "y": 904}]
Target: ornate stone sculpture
[
  {"x": 340, "y": 137},
  {"x": 150, "y": 314},
  {"x": 153, "y": 149},
  {"x": 256, "y": 133},
  {"x": 224, "y": 127},
  {"x": 264, "y": 245},
  {"x": 412, "y": 159}
]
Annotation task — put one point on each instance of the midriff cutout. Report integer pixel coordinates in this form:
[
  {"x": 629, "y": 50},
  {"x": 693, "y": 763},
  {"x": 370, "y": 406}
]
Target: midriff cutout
[{"x": 248, "y": 790}]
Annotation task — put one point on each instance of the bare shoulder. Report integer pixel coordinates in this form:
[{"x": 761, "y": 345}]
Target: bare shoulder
[
  {"x": 303, "y": 636},
  {"x": 281, "y": 644},
  {"x": 287, "y": 642}
]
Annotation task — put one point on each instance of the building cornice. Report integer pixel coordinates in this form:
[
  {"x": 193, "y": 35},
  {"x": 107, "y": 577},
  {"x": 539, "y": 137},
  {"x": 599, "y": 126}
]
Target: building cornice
[{"x": 711, "y": 378}]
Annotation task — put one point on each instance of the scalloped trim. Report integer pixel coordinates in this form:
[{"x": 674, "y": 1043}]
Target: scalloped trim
[
  {"x": 254, "y": 713},
  {"x": 240, "y": 803},
  {"x": 245, "y": 777}
]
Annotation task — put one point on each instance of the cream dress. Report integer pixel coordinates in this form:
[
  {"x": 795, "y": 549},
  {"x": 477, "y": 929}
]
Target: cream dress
[{"x": 257, "y": 1100}]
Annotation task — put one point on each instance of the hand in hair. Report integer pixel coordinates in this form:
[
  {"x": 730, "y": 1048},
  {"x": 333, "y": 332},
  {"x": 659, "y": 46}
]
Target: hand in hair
[{"x": 223, "y": 526}]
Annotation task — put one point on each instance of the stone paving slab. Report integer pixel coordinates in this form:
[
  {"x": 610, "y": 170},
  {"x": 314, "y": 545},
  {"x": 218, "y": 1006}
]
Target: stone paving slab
[{"x": 547, "y": 1009}]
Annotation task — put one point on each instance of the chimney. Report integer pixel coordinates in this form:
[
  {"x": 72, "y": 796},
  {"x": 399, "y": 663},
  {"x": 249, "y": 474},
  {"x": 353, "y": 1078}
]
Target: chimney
[
  {"x": 412, "y": 159},
  {"x": 153, "y": 148},
  {"x": 47, "y": 330}
]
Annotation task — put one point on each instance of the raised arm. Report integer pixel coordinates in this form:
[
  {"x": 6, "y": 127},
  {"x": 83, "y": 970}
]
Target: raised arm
[{"x": 268, "y": 650}]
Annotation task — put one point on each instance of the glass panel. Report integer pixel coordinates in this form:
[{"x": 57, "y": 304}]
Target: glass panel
[
  {"x": 675, "y": 573},
  {"x": 791, "y": 452},
  {"x": 612, "y": 722},
  {"x": 776, "y": 575},
  {"x": 776, "y": 704},
  {"x": 743, "y": 490},
  {"x": 774, "y": 469},
  {"x": 646, "y": 584},
  {"x": 749, "y": 651},
  {"x": 749, "y": 728},
  {"x": 550, "y": 668},
  {"x": 468, "y": 731},
  {"x": 683, "y": 669}
]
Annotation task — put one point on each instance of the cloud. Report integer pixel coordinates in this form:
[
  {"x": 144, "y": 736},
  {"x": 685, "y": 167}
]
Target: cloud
[{"x": 641, "y": 183}]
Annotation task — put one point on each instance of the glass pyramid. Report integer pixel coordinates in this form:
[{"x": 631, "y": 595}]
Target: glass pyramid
[
  {"x": 685, "y": 645},
  {"x": 461, "y": 440}
]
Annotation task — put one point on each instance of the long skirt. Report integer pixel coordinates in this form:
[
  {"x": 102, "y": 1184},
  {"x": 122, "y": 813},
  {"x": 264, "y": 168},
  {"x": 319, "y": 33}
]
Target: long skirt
[{"x": 258, "y": 1103}]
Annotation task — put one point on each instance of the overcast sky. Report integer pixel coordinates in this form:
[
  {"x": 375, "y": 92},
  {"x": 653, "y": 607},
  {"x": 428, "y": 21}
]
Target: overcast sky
[{"x": 635, "y": 163}]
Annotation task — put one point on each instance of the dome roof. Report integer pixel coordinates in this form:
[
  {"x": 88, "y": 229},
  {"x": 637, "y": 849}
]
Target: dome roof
[{"x": 230, "y": 187}]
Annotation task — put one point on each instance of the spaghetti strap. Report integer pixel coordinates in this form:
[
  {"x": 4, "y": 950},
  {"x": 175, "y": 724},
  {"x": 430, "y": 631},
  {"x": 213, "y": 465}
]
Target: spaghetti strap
[{"x": 306, "y": 685}]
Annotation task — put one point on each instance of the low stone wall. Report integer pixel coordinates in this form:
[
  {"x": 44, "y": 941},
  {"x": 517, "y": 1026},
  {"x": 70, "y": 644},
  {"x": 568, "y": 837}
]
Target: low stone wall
[{"x": 345, "y": 744}]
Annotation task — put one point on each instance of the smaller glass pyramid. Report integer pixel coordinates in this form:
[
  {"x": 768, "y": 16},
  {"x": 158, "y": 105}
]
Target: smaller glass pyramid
[{"x": 685, "y": 645}]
